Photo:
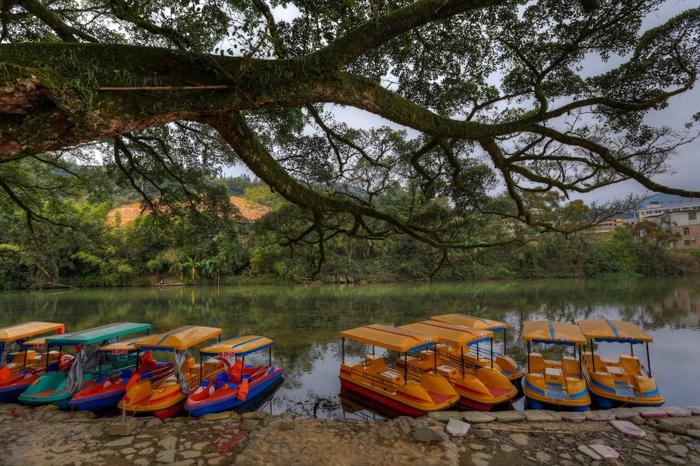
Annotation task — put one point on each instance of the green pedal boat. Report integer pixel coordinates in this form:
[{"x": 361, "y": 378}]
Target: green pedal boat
[{"x": 59, "y": 387}]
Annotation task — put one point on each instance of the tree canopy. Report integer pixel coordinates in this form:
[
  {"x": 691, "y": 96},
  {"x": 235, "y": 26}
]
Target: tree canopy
[{"x": 478, "y": 96}]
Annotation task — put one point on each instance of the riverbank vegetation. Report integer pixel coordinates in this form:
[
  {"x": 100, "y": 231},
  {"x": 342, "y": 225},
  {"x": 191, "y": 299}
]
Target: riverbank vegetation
[{"x": 87, "y": 243}]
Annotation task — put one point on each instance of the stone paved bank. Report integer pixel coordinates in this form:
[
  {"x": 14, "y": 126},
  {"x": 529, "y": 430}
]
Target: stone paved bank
[{"x": 45, "y": 436}]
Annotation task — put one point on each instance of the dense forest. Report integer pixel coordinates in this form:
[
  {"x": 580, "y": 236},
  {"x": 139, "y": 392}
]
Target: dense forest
[{"x": 84, "y": 243}]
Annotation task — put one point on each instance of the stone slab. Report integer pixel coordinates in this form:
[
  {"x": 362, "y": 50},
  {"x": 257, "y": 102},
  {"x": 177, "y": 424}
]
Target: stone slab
[
  {"x": 477, "y": 417},
  {"x": 457, "y": 428},
  {"x": 605, "y": 451},
  {"x": 677, "y": 411},
  {"x": 651, "y": 413},
  {"x": 600, "y": 415},
  {"x": 538, "y": 415},
  {"x": 573, "y": 416},
  {"x": 628, "y": 428},
  {"x": 445, "y": 416},
  {"x": 624, "y": 413},
  {"x": 509, "y": 416}
]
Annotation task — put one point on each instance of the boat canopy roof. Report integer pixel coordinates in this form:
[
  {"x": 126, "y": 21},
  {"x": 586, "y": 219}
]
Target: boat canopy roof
[
  {"x": 121, "y": 347},
  {"x": 391, "y": 338},
  {"x": 28, "y": 329},
  {"x": 36, "y": 343},
  {"x": 98, "y": 334},
  {"x": 179, "y": 339},
  {"x": 613, "y": 331},
  {"x": 240, "y": 346},
  {"x": 550, "y": 331},
  {"x": 454, "y": 335},
  {"x": 478, "y": 323}
]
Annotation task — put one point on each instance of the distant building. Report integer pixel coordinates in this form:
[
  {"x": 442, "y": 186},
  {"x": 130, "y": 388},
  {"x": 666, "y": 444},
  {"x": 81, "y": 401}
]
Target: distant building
[
  {"x": 675, "y": 214},
  {"x": 608, "y": 225}
]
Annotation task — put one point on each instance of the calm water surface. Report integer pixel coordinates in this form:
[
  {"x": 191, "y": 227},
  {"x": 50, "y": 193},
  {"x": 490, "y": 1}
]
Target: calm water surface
[{"x": 305, "y": 321}]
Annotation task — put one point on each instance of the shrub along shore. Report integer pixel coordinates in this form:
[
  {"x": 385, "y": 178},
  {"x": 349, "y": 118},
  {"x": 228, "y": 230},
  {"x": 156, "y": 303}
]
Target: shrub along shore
[{"x": 48, "y": 436}]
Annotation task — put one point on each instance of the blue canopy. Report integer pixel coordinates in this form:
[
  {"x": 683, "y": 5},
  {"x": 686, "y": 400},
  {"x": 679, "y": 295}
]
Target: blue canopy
[{"x": 98, "y": 334}]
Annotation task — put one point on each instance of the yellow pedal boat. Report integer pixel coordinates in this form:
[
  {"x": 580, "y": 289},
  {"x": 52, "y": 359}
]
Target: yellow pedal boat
[
  {"x": 480, "y": 388},
  {"x": 507, "y": 365},
  {"x": 166, "y": 397},
  {"x": 621, "y": 382},
  {"x": 554, "y": 384},
  {"x": 372, "y": 379}
]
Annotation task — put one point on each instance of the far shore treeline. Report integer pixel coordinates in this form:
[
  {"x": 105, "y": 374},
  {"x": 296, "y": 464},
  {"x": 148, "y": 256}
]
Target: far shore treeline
[{"x": 86, "y": 243}]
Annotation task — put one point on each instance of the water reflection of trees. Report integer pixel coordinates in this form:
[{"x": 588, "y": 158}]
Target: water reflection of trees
[{"x": 305, "y": 321}]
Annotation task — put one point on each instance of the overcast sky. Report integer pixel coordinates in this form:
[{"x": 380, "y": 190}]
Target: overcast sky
[{"x": 685, "y": 166}]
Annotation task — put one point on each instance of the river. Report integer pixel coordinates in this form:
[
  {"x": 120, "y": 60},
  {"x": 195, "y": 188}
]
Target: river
[{"x": 304, "y": 321}]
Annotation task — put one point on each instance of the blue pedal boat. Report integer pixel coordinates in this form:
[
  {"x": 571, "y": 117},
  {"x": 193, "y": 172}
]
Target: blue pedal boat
[{"x": 239, "y": 383}]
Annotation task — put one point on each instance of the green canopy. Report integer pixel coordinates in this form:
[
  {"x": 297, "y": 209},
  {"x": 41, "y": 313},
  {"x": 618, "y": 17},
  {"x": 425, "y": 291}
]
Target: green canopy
[{"x": 98, "y": 334}]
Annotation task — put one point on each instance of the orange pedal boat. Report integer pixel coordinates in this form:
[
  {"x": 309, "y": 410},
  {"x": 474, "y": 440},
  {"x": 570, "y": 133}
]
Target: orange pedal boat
[
  {"x": 166, "y": 397},
  {"x": 374, "y": 380}
]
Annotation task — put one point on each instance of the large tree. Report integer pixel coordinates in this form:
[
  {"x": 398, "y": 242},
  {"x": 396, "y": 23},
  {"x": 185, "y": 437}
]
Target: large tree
[{"x": 482, "y": 95}]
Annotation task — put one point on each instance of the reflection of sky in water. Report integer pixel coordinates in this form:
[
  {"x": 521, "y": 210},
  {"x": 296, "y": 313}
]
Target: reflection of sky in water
[{"x": 305, "y": 321}]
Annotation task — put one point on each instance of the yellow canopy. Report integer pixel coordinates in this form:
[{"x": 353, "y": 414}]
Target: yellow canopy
[
  {"x": 39, "y": 342},
  {"x": 613, "y": 330},
  {"x": 28, "y": 329},
  {"x": 180, "y": 339},
  {"x": 123, "y": 346},
  {"x": 239, "y": 346},
  {"x": 454, "y": 335},
  {"x": 550, "y": 331},
  {"x": 471, "y": 321},
  {"x": 391, "y": 338}
]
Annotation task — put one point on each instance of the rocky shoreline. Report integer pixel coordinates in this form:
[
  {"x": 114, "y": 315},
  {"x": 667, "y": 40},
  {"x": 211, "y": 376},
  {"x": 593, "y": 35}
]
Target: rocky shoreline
[{"x": 48, "y": 436}]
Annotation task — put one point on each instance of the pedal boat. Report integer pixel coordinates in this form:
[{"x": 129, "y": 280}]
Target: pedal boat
[
  {"x": 59, "y": 387},
  {"x": 548, "y": 384},
  {"x": 166, "y": 397},
  {"x": 19, "y": 369},
  {"x": 372, "y": 379},
  {"x": 111, "y": 385},
  {"x": 479, "y": 388},
  {"x": 504, "y": 363},
  {"x": 239, "y": 383},
  {"x": 623, "y": 382}
]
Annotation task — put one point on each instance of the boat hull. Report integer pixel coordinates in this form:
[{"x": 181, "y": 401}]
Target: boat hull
[
  {"x": 49, "y": 389},
  {"x": 10, "y": 393},
  {"x": 537, "y": 399},
  {"x": 228, "y": 401},
  {"x": 383, "y": 400}
]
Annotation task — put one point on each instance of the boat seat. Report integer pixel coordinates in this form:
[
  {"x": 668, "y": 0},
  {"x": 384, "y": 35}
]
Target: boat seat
[
  {"x": 598, "y": 362},
  {"x": 569, "y": 367},
  {"x": 536, "y": 362},
  {"x": 375, "y": 363},
  {"x": 446, "y": 370},
  {"x": 630, "y": 364},
  {"x": 391, "y": 375}
]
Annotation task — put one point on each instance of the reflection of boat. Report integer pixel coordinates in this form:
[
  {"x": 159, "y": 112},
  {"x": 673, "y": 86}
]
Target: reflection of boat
[
  {"x": 621, "y": 382},
  {"x": 554, "y": 384},
  {"x": 129, "y": 366},
  {"x": 18, "y": 370},
  {"x": 481, "y": 388},
  {"x": 59, "y": 387},
  {"x": 239, "y": 382},
  {"x": 503, "y": 362},
  {"x": 166, "y": 397},
  {"x": 373, "y": 379}
]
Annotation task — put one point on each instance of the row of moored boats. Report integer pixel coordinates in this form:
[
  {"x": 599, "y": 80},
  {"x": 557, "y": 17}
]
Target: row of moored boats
[
  {"x": 449, "y": 361},
  {"x": 446, "y": 361},
  {"x": 114, "y": 365}
]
